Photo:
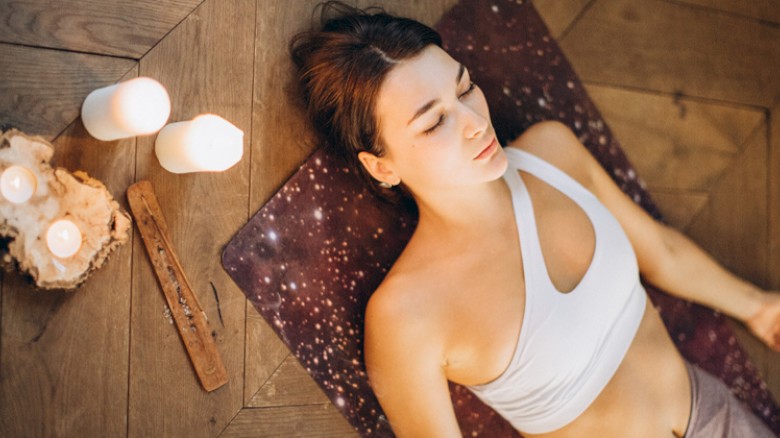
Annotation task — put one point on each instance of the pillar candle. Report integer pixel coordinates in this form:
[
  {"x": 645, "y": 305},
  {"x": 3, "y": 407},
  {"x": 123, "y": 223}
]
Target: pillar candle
[
  {"x": 139, "y": 106},
  {"x": 207, "y": 143},
  {"x": 63, "y": 238},
  {"x": 18, "y": 184}
]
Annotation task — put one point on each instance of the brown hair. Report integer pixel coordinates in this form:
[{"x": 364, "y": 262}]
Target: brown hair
[{"x": 341, "y": 66}]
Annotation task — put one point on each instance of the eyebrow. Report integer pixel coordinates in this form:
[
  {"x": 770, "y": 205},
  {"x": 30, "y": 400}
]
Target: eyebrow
[{"x": 424, "y": 109}]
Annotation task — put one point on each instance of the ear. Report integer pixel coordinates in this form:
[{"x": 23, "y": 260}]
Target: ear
[{"x": 379, "y": 168}]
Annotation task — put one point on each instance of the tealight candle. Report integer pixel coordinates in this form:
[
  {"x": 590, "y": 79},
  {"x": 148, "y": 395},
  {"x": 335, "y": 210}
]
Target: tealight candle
[
  {"x": 139, "y": 106},
  {"x": 207, "y": 143},
  {"x": 63, "y": 238},
  {"x": 18, "y": 184}
]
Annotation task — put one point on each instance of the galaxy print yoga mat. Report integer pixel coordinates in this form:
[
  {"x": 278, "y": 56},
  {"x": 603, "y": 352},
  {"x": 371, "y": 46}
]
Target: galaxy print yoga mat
[{"x": 312, "y": 256}]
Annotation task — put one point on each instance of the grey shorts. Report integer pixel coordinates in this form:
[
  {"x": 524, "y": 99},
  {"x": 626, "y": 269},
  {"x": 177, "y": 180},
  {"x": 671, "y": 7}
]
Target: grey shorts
[{"x": 716, "y": 413}]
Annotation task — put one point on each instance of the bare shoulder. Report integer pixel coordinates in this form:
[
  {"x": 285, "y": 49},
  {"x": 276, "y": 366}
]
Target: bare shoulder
[
  {"x": 407, "y": 311},
  {"x": 401, "y": 306},
  {"x": 393, "y": 302},
  {"x": 555, "y": 143},
  {"x": 403, "y": 352}
]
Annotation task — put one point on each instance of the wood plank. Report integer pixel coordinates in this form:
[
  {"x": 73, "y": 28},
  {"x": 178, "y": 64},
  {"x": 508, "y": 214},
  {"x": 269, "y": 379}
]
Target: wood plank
[
  {"x": 206, "y": 65},
  {"x": 762, "y": 10},
  {"x": 43, "y": 89},
  {"x": 290, "y": 385},
  {"x": 772, "y": 360},
  {"x": 774, "y": 197},
  {"x": 64, "y": 363},
  {"x": 275, "y": 117},
  {"x": 733, "y": 226},
  {"x": 674, "y": 142},
  {"x": 559, "y": 15},
  {"x": 273, "y": 161},
  {"x": 317, "y": 421},
  {"x": 676, "y": 49},
  {"x": 110, "y": 27},
  {"x": 265, "y": 352}
]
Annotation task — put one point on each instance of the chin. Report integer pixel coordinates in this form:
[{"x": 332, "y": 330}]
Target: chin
[{"x": 497, "y": 165}]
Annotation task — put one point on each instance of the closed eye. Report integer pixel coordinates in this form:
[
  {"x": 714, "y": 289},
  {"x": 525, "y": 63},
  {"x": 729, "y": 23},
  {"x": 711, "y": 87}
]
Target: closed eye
[
  {"x": 468, "y": 91},
  {"x": 440, "y": 121}
]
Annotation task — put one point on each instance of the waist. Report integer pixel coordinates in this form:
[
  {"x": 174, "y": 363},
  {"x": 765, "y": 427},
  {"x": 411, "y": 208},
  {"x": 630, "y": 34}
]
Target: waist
[{"x": 652, "y": 378}]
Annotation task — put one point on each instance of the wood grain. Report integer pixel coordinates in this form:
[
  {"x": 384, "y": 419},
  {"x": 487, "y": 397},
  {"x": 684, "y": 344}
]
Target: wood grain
[
  {"x": 762, "y": 10},
  {"x": 111, "y": 27},
  {"x": 733, "y": 225},
  {"x": 290, "y": 385},
  {"x": 774, "y": 199},
  {"x": 206, "y": 65},
  {"x": 42, "y": 90},
  {"x": 664, "y": 46},
  {"x": 282, "y": 138},
  {"x": 560, "y": 15},
  {"x": 265, "y": 352},
  {"x": 675, "y": 142},
  {"x": 63, "y": 371},
  {"x": 772, "y": 359},
  {"x": 314, "y": 421}
]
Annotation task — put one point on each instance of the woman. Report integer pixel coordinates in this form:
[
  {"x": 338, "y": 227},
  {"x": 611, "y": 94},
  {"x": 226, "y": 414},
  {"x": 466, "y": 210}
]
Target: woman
[{"x": 521, "y": 280}]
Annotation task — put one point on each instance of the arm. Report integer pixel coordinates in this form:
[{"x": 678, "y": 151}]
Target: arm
[
  {"x": 405, "y": 369},
  {"x": 670, "y": 260}
]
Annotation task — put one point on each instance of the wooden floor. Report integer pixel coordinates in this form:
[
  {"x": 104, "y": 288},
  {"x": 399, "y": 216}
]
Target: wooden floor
[{"x": 691, "y": 88}]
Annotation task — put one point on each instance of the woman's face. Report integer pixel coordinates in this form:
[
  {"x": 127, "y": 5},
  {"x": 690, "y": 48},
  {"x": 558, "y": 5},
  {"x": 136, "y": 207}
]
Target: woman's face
[{"x": 435, "y": 127}]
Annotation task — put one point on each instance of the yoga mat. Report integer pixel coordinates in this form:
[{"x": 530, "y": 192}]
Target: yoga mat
[{"x": 311, "y": 257}]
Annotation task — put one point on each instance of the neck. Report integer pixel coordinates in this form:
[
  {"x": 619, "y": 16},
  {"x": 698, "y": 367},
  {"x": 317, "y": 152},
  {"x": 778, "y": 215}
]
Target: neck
[{"x": 462, "y": 209}]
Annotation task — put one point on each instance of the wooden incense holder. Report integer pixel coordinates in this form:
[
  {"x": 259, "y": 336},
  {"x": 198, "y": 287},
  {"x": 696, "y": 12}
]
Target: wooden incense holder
[{"x": 185, "y": 308}]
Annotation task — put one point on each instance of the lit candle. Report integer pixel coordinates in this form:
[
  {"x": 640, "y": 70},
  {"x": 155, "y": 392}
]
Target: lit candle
[
  {"x": 207, "y": 143},
  {"x": 139, "y": 106},
  {"x": 63, "y": 238},
  {"x": 18, "y": 184}
]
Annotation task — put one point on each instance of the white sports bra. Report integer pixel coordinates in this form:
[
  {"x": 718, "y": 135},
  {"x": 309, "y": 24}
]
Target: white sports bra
[{"x": 570, "y": 344}]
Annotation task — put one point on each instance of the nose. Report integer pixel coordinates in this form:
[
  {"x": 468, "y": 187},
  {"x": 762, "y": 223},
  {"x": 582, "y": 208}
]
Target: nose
[{"x": 475, "y": 123}]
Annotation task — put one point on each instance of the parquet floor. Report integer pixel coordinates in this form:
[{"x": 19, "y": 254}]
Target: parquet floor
[{"x": 689, "y": 86}]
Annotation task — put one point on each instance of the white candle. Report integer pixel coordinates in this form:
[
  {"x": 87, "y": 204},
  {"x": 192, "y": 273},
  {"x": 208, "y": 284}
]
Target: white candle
[
  {"x": 139, "y": 106},
  {"x": 207, "y": 143},
  {"x": 18, "y": 184},
  {"x": 63, "y": 238}
]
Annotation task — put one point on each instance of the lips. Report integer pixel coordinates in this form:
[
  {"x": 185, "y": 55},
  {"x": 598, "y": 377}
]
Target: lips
[{"x": 488, "y": 150}]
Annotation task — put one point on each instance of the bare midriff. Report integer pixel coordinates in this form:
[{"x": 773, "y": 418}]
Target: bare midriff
[{"x": 649, "y": 395}]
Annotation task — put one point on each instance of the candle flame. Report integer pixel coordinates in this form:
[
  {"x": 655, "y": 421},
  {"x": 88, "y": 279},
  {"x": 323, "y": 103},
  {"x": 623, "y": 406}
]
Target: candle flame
[{"x": 16, "y": 182}]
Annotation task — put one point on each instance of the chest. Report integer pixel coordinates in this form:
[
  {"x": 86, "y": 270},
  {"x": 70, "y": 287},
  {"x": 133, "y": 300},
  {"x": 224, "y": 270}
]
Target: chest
[{"x": 490, "y": 288}]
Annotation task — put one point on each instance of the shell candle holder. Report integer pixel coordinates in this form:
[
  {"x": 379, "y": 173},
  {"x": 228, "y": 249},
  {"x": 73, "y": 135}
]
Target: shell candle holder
[
  {"x": 17, "y": 184},
  {"x": 55, "y": 226}
]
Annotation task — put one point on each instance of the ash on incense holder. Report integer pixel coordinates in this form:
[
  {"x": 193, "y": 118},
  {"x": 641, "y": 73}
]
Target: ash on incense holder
[{"x": 55, "y": 226}]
